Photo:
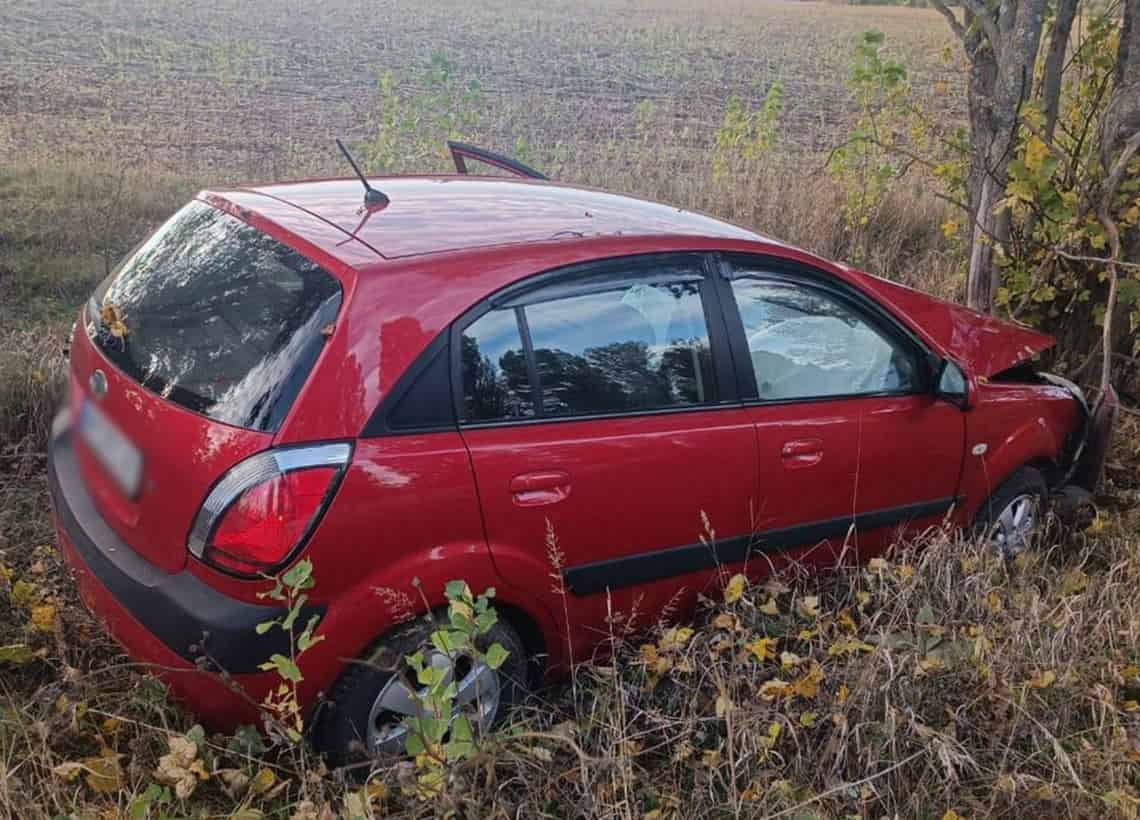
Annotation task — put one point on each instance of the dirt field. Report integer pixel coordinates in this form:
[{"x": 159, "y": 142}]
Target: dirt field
[{"x": 262, "y": 86}]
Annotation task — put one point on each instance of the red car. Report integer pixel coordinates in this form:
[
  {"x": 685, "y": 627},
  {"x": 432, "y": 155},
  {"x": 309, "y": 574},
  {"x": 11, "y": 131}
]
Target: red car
[{"x": 425, "y": 385}]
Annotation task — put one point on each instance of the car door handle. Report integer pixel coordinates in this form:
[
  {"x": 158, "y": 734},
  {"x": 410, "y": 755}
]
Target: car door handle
[
  {"x": 536, "y": 489},
  {"x": 802, "y": 452}
]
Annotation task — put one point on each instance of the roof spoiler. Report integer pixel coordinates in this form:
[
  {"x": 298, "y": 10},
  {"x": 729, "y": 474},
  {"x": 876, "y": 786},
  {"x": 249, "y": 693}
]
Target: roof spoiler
[{"x": 461, "y": 152}]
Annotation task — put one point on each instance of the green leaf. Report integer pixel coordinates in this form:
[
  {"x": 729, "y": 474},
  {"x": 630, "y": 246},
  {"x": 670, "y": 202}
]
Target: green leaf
[
  {"x": 264, "y": 627},
  {"x": 294, "y": 612},
  {"x": 299, "y": 576},
  {"x": 414, "y": 745},
  {"x": 285, "y": 668},
  {"x": 246, "y": 742},
  {"x": 496, "y": 655},
  {"x": 460, "y": 744},
  {"x": 456, "y": 589},
  {"x": 448, "y": 641},
  {"x": 485, "y": 621},
  {"x": 16, "y": 654}
]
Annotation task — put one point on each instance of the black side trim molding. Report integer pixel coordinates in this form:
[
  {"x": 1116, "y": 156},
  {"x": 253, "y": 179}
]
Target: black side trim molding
[
  {"x": 642, "y": 567},
  {"x": 191, "y": 618}
]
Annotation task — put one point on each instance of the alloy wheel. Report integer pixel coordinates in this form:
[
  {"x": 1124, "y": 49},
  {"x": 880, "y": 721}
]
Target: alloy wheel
[{"x": 477, "y": 696}]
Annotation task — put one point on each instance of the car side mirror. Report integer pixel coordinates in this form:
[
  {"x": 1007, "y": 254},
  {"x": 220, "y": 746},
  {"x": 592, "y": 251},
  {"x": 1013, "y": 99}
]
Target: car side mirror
[{"x": 952, "y": 385}]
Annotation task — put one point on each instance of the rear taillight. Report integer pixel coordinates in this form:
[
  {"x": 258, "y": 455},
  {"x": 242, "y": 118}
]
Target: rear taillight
[{"x": 262, "y": 511}]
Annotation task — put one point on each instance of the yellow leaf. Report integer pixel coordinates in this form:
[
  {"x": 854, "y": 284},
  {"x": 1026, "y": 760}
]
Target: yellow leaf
[
  {"x": 762, "y": 648},
  {"x": 772, "y": 689},
  {"x": 905, "y": 572},
  {"x": 674, "y": 638},
  {"x": 23, "y": 593},
  {"x": 842, "y": 694},
  {"x": 1043, "y": 680},
  {"x": 1036, "y": 152},
  {"x": 68, "y": 771},
  {"x": 1075, "y": 581},
  {"x": 711, "y": 758},
  {"x": 807, "y": 686},
  {"x": 789, "y": 660},
  {"x": 952, "y": 815},
  {"x": 104, "y": 775},
  {"x": 846, "y": 622},
  {"x": 723, "y": 705},
  {"x": 848, "y": 646},
  {"x": 43, "y": 617},
  {"x": 754, "y": 792},
  {"x": 809, "y": 606},
  {"x": 725, "y": 620},
  {"x": 930, "y": 664},
  {"x": 769, "y": 608},
  {"x": 262, "y": 781},
  {"x": 807, "y": 718},
  {"x": 734, "y": 590}
]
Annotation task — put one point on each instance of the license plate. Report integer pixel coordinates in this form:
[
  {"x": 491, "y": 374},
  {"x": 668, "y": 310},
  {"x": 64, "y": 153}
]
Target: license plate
[{"x": 118, "y": 455}]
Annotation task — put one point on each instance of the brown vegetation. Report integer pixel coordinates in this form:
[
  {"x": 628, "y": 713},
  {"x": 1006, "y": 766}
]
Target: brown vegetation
[{"x": 939, "y": 682}]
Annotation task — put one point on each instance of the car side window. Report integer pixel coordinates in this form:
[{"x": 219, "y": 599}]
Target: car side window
[
  {"x": 494, "y": 369},
  {"x": 805, "y": 343},
  {"x": 639, "y": 347},
  {"x": 627, "y": 347}
]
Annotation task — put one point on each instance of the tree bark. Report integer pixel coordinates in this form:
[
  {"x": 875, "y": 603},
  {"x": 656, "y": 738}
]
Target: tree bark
[
  {"x": 1055, "y": 63},
  {"x": 1002, "y": 46}
]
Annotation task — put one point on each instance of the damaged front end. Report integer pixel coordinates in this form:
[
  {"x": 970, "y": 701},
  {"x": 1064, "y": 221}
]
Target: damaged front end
[{"x": 1085, "y": 458}]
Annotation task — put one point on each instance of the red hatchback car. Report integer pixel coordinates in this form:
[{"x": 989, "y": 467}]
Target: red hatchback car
[{"x": 420, "y": 387}]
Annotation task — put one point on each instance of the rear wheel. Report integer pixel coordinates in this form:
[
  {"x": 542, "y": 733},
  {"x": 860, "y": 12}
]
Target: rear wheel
[
  {"x": 1013, "y": 517},
  {"x": 365, "y": 715}
]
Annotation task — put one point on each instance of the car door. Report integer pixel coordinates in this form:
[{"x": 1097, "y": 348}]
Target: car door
[
  {"x": 852, "y": 442},
  {"x": 599, "y": 408}
]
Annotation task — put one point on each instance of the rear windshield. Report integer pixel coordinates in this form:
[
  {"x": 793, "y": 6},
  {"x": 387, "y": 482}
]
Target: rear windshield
[{"x": 214, "y": 315}]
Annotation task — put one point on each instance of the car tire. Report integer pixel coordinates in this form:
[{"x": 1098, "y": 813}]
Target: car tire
[
  {"x": 1015, "y": 513},
  {"x": 352, "y": 725}
]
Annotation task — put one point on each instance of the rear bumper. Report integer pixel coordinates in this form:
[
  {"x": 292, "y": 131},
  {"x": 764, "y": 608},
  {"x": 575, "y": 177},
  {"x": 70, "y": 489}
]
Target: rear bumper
[{"x": 174, "y": 623}]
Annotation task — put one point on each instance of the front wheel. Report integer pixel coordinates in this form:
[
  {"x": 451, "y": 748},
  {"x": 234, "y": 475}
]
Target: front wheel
[{"x": 1014, "y": 515}]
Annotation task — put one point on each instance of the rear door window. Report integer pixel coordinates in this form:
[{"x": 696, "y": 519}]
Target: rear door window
[
  {"x": 216, "y": 316},
  {"x": 617, "y": 344}
]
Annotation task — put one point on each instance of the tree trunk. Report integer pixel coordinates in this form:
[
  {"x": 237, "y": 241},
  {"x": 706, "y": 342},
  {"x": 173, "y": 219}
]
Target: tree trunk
[
  {"x": 979, "y": 279},
  {"x": 1002, "y": 48}
]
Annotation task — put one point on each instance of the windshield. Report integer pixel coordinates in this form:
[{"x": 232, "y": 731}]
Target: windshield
[{"x": 216, "y": 316}]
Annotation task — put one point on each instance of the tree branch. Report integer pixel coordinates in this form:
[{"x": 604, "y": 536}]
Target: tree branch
[
  {"x": 1055, "y": 61},
  {"x": 955, "y": 25},
  {"x": 987, "y": 22}
]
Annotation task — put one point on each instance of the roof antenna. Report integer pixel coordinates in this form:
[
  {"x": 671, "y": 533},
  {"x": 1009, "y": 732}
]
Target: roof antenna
[{"x": 372, "y": 197}]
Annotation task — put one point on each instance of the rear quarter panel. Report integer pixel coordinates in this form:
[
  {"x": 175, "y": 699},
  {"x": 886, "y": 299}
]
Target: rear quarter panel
[{"x": 1012, "y": 425}]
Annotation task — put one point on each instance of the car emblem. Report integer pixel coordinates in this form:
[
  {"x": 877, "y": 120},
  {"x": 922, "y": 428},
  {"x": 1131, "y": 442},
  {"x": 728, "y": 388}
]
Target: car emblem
[{"x": 98, "y": 383}]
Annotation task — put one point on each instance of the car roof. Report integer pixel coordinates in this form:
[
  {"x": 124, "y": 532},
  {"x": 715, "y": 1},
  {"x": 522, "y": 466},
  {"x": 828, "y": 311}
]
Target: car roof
[{"x": 434, "y": 214}]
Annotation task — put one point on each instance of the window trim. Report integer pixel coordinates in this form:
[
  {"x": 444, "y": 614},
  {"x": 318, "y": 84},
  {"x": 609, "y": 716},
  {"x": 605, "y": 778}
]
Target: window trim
[
  {"x": 600, "y": 276},
  {"x": 784, "y": 271}
]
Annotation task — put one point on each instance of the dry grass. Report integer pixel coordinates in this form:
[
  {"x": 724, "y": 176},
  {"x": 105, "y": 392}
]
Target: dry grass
[{"x": 931, "y": 691}]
